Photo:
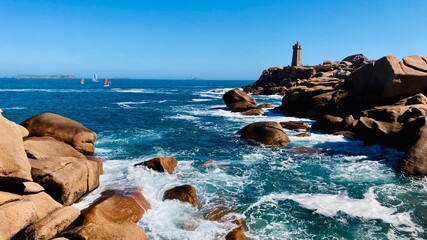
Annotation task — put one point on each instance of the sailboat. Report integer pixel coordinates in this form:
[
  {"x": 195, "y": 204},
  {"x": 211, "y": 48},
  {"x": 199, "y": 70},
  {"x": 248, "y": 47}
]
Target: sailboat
[
  {"x": 95, "y": 78},
  {"x": 107, "y": 82},
  {"x": 82, "y": 81}
]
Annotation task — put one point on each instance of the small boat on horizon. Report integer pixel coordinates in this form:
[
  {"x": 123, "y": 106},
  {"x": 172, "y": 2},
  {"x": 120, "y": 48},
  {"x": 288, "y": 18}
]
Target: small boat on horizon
[
  {"x": 82, "y": 81},
  {"x": 95, "y": 78},
  {"x": 107, "y": 82}
]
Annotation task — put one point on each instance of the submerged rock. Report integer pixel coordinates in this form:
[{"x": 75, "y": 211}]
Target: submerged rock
[
  {"x": 62, "y": 129},
  {"x": 268, "y": 133},
  {"x": 160, "y": 164},
  {"x": 184, "y": 193}
]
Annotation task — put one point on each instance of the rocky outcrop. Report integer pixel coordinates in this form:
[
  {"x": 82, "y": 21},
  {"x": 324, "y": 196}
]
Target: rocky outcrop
[
  {"x": 295, "y": 125},
  {"x": 66, "y": 179},
  {"x": 52, "y": 224},
  {"x": 312, "y": 98},
  {"x": 238, "y": 101},
  {"x": 160, "y": 164},
  {"x": 48, "y": 147},
  {"x": 62, "y": 129},
  {"x": 415, "y": 161},
  {"x": 14, "y": 165},
  {"x": 387, "y": 78},
  {"x": 109, "y": 231},
  {"x": 116, "y": 206},
  {"x": 268, "y": 133},
  {"x": 184, "y": 193},
  {"x": 24, "y": 210}
]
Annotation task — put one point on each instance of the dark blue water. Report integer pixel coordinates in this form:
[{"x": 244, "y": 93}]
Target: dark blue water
[{"x": 345, "y": 191}]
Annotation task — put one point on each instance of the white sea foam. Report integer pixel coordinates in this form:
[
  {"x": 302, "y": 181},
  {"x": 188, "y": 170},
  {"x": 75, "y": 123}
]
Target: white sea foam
[
  {"x": 329, "y": 205},
  {"x": 129, "y": 104},
  {"x": 46, "y": 90},
  {"x": 184, "y": 117},
  {"x": 201, "y": 100},
  {"x": 14, "y": 108},
  {"x": 131, "y": 90}
]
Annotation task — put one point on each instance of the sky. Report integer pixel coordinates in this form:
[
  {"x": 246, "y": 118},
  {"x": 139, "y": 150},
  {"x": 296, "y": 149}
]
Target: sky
[{"x": 182, "y": 39}]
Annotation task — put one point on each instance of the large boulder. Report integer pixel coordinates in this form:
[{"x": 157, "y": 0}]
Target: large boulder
[
  {"x": 62, "y": 129},
  {"x": 268, "y": 133},
  {"x": 387, "y": 78},
  {"x": 160, "y": 164},
  {"x": 14, "y": 165},
  {"x": 17, "y": 212},
  {"x": 415, "y": 160},
  {"x": 110, "y": 231},
  {"x": 45, "y": 147},
  {"x": 116, "y": 206},
  {"x": 184, "y": 193},
  {"x": 52, "y": 224},
  {"x": 328, "y": 124},
  {"x": 66, "y": 179},
  {"x": 238, "y": 101}
]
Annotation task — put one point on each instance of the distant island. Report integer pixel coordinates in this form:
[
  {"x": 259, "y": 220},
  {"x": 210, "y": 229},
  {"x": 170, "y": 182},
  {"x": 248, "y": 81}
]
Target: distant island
[{"x": 56, "y": 76}]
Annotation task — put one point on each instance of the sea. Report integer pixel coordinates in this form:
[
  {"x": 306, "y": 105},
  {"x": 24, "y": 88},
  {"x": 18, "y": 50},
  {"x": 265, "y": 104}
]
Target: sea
[{"x": 317, "y": 187}]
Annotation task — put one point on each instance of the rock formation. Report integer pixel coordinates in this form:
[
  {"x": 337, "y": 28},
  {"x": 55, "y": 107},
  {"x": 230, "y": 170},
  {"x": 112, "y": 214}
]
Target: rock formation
[
  {"x": 160, "y": 164},
  {"x": 379, "y": 101},
  {"x": 268, "y": 133},
  {"x": 184, "y": 193},
  {"x": 62, "y": 129}
]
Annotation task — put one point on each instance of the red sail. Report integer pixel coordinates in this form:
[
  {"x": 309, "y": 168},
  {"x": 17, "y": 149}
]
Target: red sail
[{"x": 106, "y": 82}]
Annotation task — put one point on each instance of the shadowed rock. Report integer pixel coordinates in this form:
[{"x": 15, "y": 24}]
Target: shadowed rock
[{"x": 415, "y": 161}]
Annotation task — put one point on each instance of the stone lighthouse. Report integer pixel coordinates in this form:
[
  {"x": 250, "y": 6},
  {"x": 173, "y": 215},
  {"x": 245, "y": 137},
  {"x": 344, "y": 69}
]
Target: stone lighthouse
[{"x": 296, "y": 55}]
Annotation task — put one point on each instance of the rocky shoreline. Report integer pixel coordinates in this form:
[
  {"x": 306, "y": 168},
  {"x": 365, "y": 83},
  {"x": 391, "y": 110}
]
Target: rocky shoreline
[
  {"x": 48, "y": 164},
  {"x": 379, "y": 102}
]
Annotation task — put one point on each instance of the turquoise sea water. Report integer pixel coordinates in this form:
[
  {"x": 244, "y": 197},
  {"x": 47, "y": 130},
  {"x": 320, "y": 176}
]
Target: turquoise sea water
[{"x": 344, "y": 191}]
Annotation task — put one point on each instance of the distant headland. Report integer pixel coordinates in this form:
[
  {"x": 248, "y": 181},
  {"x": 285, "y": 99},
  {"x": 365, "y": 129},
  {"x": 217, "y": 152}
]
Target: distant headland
[{"x": 56, "y": 76}]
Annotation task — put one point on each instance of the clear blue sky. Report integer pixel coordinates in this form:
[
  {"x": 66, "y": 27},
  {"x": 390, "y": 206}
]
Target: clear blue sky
[{"x": 222, "y": 39}]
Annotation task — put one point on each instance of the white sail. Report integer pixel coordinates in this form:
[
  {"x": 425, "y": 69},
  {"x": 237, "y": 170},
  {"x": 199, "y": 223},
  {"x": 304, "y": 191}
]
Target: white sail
[{"x": 95, "y": 78}]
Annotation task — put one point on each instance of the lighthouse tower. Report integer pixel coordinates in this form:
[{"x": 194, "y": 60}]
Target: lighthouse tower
[{"x": 296, "y": 55}]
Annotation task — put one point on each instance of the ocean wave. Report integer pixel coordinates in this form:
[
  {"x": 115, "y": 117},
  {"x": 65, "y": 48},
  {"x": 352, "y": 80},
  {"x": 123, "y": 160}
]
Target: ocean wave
[
  {"x": 128, "y": 104},
  {"x": 46, "y": 90},
  {"x": 201, "y": 100},
  {"x": 131, "y": 90},
  {"x": 367, "y": 208},
  {"x": 184, "y": 117}
]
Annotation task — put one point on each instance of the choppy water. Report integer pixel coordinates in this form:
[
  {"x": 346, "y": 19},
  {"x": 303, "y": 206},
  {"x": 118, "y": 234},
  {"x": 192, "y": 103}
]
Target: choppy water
[{"x": 345, "y": 191}]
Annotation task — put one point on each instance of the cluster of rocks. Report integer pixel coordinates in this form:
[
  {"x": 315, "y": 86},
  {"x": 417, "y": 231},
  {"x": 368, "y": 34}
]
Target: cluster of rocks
[
  {"x": 47, "y": 164},
  {"x": 380, "y": 101},
  {"x": 280, "y": 80}
]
